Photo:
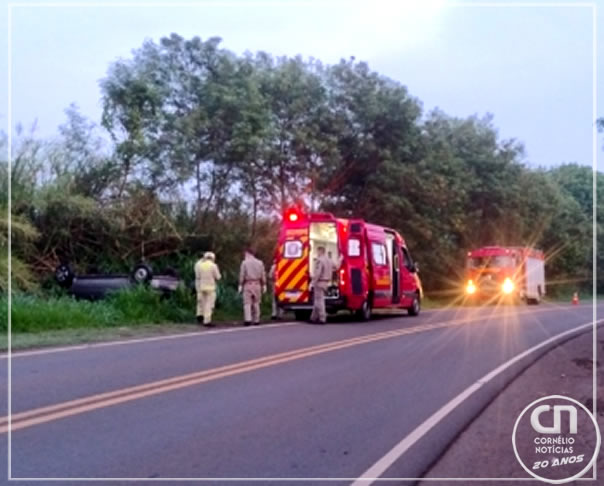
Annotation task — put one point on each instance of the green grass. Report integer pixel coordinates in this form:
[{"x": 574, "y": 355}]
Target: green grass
[{"x": 132, "y": 307}]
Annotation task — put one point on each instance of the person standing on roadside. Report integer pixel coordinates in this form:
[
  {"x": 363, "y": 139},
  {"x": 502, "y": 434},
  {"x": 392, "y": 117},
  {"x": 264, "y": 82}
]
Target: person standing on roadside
[
  {"x": 252, "y": 282},
  {"x": 322, "y": 274},
  {"x": 206, "y": 276}
]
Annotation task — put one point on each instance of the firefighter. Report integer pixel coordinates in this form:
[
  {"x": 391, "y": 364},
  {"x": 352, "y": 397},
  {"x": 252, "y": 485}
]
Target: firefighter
[
  {"x": 252, "y": 282},
  {"x": 206, "y": 276},
  {"x": 322, "y": 275},
  {"x": 276, "y": 312}
]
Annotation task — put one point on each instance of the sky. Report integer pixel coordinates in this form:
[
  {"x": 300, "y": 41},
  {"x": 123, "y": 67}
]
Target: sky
[{"x": 530, "y": 66}]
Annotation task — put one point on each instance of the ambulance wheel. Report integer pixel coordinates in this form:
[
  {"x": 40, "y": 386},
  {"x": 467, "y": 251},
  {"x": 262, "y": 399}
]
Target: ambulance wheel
[
  {"x": 142, "y": 273},
  {"x": 415, "y": 307},
  {"x": 364, "y": 313},
  {"x": 302, "y": 315}
]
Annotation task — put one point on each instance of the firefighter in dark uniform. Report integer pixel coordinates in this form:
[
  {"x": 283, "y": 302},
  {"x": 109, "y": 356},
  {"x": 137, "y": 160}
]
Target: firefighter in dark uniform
[{"x": 252, "y": 282}]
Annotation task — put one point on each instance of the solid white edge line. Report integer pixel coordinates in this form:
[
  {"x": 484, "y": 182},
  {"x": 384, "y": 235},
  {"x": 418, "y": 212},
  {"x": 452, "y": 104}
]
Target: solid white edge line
[
  {"x": 594, "y": 142},
  {"x": 143, "y": 340},
  {"x": 280, "y": 3},
  {"x": 374, "y": 472},
  {"x": 299, "y": 480},
  {"x": 9, "y": 127}
]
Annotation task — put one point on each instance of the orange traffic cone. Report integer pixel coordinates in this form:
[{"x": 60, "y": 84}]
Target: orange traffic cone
[{"x": 576, "y": 298}]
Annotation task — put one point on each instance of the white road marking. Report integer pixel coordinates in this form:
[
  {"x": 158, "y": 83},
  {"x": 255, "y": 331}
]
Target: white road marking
[
  {"x": 143, "y": 340},
  {"x": 381, "y": 466}
]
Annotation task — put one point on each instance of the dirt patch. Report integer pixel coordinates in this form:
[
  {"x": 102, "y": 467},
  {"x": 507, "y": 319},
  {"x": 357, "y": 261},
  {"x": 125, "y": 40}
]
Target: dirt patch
[{"x": 586, "y": 363}]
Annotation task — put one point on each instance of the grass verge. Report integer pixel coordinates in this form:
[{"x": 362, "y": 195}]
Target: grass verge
[
  {"x": 132, "y": 307},
  {"x": 42, "y": 321},
  {"x": 140, "y": 312}
]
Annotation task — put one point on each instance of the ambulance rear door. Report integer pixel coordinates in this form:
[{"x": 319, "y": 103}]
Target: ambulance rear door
[
  {"x": 354, "y": 278},
  {"x": 292, "y": 285},
  {"x": 379, "y": 264}
]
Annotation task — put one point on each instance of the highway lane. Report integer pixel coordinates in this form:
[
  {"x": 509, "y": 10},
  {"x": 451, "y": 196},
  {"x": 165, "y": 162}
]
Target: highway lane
[
  {"x": 328, "y": 414},
  {"x": 107, "y": 368}
]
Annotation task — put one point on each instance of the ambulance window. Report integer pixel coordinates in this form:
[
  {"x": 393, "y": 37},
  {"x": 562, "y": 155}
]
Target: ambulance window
[
  {"x": 407, "y": 262},
  {"x": 292, "y": 249},
  {"x": 379, "y": 253},
  {"x": 354, "y": 247}
]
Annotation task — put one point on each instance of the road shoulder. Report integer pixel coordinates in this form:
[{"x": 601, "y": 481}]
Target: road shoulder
[{"x": 484, "y": 448}]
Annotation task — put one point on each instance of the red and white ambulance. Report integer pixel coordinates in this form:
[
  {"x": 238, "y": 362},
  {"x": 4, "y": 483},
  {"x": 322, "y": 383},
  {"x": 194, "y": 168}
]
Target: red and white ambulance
[
  {"x": 374, "y": 269},
  {"x": 506, "y": 272}
]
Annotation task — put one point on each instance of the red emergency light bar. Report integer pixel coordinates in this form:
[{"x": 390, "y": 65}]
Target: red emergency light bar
[
  {"x": 296, "y": 215},
  {"x": 293, "y": 215}
]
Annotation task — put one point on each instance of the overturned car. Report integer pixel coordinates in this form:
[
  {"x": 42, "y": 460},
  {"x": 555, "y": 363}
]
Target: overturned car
[{"x": 93, "y": 286}]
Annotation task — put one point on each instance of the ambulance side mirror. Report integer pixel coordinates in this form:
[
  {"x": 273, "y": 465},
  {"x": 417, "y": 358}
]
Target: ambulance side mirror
[{"x": 415, "y": 267}]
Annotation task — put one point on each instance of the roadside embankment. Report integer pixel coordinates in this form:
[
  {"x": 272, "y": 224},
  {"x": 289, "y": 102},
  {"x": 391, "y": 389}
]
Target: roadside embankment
[{"x": 484, "y": 448}]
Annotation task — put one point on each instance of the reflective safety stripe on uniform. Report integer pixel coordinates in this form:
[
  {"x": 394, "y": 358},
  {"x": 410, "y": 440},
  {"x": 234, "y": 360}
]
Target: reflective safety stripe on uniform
[{"x": 292, "y": 276}]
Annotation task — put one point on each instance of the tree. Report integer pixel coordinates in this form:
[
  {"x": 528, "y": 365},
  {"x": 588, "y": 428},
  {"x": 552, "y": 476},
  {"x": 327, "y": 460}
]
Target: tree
[
  {"x": 207, "y": 147},
  {"x": 375, "y": 122},
  {"x": 80, "y": 157},
  {"x": 24, "y": 169},
  {"x": 576, "y": 182}
]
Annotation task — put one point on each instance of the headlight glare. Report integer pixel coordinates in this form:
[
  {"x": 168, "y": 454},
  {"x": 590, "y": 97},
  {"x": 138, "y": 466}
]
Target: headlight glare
[{"x": 508, "y": 286}]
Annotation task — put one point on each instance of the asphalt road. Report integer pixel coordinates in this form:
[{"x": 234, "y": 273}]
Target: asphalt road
[{"x": 286, "y": 401}]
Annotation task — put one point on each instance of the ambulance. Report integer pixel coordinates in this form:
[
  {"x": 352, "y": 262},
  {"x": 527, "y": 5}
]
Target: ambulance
[
  {"x": 373, "y": 266},
  {"x": 512, "y": 272}
]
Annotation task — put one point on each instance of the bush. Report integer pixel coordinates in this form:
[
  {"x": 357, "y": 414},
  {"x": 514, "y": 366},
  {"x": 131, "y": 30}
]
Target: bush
[
  {"x": 128, "y": 307},
  {"x": 139, "y": 304}
]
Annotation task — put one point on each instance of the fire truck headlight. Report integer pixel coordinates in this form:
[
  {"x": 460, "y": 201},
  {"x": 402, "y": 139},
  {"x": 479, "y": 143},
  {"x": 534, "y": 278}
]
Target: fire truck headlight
[
  {"x": 470, "y": 288},
  {"x": 508, "y": 286}
]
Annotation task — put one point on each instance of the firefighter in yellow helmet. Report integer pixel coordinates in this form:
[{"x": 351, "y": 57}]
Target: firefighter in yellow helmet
[
  {"x": 252, "y": 282},
  {"x": 206, "y": 276}
]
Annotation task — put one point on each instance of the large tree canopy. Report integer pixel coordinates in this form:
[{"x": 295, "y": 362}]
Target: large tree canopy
[{"x": 206, "y": 148}]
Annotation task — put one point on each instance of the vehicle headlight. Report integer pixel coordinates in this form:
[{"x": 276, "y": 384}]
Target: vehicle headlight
[
  {"x": 508, "y": 286},
  {"x": 470, "y": 288}
]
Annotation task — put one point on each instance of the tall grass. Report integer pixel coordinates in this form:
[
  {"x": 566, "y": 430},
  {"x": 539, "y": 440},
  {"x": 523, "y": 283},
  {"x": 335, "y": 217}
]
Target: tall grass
[{"x": 139, "y": 305}]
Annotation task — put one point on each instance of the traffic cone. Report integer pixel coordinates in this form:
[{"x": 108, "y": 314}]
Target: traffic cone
[{"x": 576, "y": 298}]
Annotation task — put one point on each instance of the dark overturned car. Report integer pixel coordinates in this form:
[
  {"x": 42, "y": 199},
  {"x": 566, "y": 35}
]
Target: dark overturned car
[{"x": 94, "y": 286}]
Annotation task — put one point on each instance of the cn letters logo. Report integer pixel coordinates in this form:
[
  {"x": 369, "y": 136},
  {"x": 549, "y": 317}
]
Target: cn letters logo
[{"x": 557, "y": 427}]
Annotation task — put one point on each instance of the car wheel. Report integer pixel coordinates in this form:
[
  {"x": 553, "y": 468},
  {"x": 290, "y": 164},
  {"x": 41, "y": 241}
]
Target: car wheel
[
  {"x": 64, "y": 275},
  {"x": 142, "y": 273},
  {"x": 415, "y": 307},
  {"x": 364, "y": 313}
]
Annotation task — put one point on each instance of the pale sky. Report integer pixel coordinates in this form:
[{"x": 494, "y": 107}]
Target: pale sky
[{"x": 531, "y": 67}]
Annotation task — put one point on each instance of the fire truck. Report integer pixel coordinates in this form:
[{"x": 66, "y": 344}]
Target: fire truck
[
  {"x": 512, "y": 272},
  {"x": 374, "y": 268}
]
